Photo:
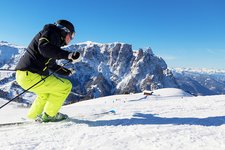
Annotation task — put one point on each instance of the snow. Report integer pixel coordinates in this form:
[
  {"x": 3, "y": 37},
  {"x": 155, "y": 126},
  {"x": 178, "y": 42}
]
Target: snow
[
  {"x": 168, "y": 119},
  {"x": 199, "y": 70},
  {"x": 166, "y": 92}
]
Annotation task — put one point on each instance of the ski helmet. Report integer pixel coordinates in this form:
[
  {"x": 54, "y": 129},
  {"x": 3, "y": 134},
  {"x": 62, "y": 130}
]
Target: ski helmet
[{"x": 66, "y": 26}]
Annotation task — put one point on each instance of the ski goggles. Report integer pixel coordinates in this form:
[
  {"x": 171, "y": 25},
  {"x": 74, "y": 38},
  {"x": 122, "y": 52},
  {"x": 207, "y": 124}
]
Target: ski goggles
[
  {"x": 66, "y": 30},
  {"x": 72, "y": 35}
]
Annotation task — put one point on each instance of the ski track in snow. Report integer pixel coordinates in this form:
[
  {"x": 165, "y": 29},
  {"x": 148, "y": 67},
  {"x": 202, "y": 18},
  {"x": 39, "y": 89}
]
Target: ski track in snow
[{"x": 155, "y": 122}]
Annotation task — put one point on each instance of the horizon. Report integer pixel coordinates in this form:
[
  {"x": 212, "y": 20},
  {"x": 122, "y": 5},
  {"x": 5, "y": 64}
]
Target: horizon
[{"x": 186, "y": 34}]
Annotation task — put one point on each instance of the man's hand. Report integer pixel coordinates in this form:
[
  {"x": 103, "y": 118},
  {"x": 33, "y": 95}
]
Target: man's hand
[{"x": 74, "y": 57}]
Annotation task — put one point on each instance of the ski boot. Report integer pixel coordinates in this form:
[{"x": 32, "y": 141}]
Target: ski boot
[{"x": 46, "y": 118}]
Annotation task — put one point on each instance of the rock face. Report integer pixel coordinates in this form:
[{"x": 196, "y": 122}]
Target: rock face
[
  {"x": 108, "y": 69},
  {"x": 115, "y": 68}
]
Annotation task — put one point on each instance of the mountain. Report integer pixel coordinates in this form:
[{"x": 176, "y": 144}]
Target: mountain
[
  {"x": 9, "y": 54},
  {"x": 114, "y": 68},
  {"x": 168, "y": 119},
  {"x": 105, "y": 69},
  {"x": 9, "y": 57},
  {"x": 200, "y": 81}
]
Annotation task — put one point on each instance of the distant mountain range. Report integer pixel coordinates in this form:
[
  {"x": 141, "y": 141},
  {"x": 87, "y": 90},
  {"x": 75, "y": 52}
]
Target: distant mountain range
[
  {"x": 114, "y": 68},
  {"x": 200, "y": 81}
]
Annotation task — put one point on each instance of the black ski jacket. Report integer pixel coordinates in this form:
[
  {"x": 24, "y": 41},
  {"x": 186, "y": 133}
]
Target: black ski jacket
[{"x": 44, "y": 49}]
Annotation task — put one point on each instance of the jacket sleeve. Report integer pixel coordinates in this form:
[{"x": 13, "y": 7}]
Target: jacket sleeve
[
  {"x": 62, "y": 70},
  {"x": 49, "y": 46}
]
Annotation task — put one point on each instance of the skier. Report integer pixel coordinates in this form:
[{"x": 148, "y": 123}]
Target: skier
[{"x": 40, "y": 58}]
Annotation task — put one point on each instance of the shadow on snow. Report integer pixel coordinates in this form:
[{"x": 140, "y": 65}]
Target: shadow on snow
[{"x": 150, "y": 119}]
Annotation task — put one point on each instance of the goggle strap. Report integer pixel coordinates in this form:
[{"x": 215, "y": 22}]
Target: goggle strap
[{"x": 62, "y": 27}]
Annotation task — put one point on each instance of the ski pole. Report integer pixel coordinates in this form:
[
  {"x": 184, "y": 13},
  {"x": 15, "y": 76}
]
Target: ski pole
[
  {"x": 7, "y": 70},
  {"x": 33, "y": 85}
]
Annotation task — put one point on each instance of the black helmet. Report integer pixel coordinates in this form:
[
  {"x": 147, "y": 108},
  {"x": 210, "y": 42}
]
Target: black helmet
[{"x": 66, "y": 26}]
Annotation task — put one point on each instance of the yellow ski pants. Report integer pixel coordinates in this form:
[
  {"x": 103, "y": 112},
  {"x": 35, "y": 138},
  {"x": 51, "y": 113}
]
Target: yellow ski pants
[{"x": 51, "y": 92}]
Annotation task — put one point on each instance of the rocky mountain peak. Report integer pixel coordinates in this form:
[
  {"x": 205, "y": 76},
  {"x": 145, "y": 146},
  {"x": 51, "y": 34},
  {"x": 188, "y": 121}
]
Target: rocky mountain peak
[
  {"x": 122, "y": 69},
  {"x": 111, "y": 68}
]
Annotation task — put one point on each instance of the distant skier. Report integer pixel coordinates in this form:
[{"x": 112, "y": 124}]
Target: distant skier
[{"x": 38, "y": 60}]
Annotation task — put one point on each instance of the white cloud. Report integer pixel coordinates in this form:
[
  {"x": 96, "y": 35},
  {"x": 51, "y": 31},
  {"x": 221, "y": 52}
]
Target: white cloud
[{"x": 168, "y": 57}]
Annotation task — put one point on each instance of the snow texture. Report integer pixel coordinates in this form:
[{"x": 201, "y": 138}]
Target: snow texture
[{"x": 168, "y": 119}]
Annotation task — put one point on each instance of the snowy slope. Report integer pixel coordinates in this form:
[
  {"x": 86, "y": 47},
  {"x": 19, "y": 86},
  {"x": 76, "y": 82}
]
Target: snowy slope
[{"x": 168, "y": 119}]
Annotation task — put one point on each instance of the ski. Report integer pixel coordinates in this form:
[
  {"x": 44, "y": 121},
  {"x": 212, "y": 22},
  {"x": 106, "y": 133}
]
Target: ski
[
  {"x": 19, "y": 123},
  {"x": 15, "y": 123}
]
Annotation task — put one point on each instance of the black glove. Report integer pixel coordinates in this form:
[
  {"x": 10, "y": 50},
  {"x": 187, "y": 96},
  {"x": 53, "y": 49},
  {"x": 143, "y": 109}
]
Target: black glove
[
  {"x": 72, "y": 71},
  {"x": 75, "y": 57}
]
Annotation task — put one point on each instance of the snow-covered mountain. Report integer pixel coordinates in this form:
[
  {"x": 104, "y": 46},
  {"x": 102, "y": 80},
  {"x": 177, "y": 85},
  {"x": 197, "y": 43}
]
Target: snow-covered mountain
[
  {"x": 200, "y": 81},
  {"x": 9, "y": 54},
  {"x": 105, "y": 69},
  {"x": 9, "y": 57},
  {"x": 114, "y": 69},
  {"x": 168, "y": 119}
]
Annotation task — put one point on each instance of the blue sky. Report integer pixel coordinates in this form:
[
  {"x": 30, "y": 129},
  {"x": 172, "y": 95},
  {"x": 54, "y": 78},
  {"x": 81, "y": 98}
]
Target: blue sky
[{"x": 185, "y": 33}]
